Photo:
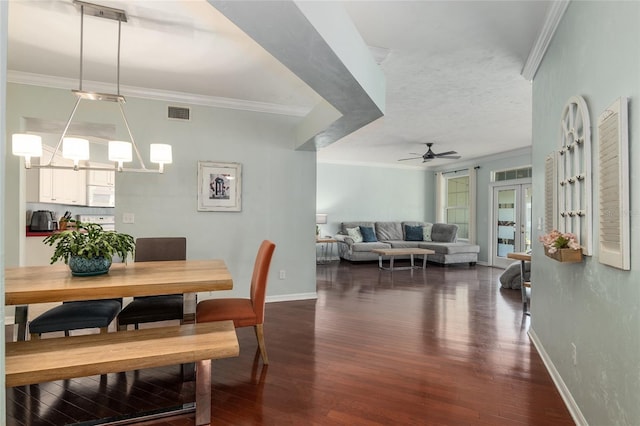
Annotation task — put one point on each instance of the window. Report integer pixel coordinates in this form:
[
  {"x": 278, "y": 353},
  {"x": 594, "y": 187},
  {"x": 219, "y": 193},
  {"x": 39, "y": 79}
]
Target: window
[
  {"x": 511, "y": 174},
  {"x": 456, "y": 201},
  {"x": 457, "y": 204}
]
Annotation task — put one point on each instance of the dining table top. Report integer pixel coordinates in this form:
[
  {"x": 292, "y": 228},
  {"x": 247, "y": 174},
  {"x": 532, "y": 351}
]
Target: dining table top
[
  {"x": 54, "y": 283},
  {"x": 519, "y": 256}
]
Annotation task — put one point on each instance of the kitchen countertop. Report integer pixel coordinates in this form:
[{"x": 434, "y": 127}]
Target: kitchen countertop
[{"x": 38, "y": 233}]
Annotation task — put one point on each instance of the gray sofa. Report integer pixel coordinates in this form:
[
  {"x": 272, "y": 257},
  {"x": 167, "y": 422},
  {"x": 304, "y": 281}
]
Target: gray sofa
[{"x": 394, "y": 235}]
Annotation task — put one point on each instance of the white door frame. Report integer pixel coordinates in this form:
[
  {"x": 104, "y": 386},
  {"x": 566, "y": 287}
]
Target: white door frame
[{"x": 519, "y": 185}]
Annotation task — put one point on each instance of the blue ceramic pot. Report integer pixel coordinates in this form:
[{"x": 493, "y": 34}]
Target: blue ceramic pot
[{"x": 82, "y": 266}]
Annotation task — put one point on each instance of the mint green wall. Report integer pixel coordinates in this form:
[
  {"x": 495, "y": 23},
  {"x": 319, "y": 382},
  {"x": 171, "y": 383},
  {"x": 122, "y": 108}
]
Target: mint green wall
[
  {"x": 595, "y": 54},
  {"x": 4, "y": 10},
  {"x": 347, "y": 193},
  {"x": 278, "y": 184}
]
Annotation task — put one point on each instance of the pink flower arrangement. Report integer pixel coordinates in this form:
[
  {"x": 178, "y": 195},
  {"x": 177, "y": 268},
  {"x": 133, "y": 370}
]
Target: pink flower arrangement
[{"x": 555, "y": 240}]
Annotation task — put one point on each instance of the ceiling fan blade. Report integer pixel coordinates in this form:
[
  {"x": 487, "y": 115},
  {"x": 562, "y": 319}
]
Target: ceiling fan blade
[
  {"x": 446, "y": 153},
  {"x": 450, "y": 157},
  {"x": 415, "y": 153},
  {"x": 412, "y": 158}
]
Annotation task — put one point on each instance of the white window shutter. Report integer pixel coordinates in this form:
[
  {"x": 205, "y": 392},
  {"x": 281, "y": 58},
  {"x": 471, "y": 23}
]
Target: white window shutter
[
  {"x": 613, "y": 146},
  {"x": 550, "y": 194}
]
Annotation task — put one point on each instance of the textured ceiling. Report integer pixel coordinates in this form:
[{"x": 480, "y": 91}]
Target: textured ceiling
[
  {"x": 453, "y": 78},
  {"x": 452, "y": 68}
]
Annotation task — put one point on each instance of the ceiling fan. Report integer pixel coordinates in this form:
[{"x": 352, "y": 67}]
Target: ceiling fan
[{"x": 430, "y": 155}]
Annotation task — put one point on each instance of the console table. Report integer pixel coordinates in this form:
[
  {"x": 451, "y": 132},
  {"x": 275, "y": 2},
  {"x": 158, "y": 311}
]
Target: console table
[{"x": 326, "y": 249}]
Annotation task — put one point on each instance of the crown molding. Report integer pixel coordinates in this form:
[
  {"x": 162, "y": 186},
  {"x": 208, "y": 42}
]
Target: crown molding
[
  {"x": 157, "y": 95},
  {"x": 552, "y": 20},
  {"x": 370, "y": 164},
  {"x": 472, "y": 162}
]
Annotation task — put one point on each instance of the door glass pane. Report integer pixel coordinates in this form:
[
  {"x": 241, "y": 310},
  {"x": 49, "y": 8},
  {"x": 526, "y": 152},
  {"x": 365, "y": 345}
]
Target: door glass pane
[
  {"x": 527, "y": 218},
  {"x": 506, "y": 222}
]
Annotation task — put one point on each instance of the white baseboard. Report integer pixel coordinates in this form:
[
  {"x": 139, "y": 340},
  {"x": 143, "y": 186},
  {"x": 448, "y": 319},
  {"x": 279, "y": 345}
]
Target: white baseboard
[
  {"x": 573, "y": 408},
  {"x": 482, "y": 263},
  {"x": 291, "y": 297}
]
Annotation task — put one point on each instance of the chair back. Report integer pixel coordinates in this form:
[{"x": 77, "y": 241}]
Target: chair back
[
  {"x": 153, "y": 249},
  {"x": 260, "y": 277}
]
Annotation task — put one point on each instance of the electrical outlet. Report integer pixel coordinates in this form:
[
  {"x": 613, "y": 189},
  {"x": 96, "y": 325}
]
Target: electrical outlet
[
  {"x": 283, "y": 274},
  {"x": 128, "y": 218},
  {"x": 574, "y": 354}
]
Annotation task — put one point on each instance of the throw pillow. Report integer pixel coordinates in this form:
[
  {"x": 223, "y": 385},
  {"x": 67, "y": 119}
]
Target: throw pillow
[
  {"x": 413, "y": 233},
  {"x": 368, "y": 234},
  {"x": 426, "y": 232},
  {"x": 355, "y": 234}
]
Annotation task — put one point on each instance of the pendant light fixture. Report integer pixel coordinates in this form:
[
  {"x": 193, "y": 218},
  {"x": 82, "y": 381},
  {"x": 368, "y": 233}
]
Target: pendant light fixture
[{"x": 77, "y": 149}]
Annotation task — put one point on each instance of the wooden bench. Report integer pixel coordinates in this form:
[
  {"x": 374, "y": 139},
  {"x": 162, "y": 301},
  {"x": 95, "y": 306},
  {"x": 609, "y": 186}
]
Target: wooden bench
[{"x": 38, "y": 361}]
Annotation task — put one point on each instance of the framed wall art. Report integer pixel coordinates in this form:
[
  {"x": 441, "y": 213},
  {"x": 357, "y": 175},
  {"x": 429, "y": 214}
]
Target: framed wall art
[{"x": 219, "y": 187}]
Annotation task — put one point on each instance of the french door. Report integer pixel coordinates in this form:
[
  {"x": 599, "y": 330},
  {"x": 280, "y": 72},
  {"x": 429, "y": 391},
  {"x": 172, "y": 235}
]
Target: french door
[{"x": 511, "y": 230}]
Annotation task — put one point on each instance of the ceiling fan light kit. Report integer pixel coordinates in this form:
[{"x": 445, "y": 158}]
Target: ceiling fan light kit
[
  {"x": 430, "y": 155},
  {"x": 77, "y": 149}
]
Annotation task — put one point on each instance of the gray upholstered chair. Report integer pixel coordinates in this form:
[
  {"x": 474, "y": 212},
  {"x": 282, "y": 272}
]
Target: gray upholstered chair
[
  {"x": 155, "y": 308},
  {"x": 75, "y": 316}
]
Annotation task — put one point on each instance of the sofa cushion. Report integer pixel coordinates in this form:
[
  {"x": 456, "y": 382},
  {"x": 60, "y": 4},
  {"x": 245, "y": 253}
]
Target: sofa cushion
[
  {"x": 389, "y": 231},
  {"x": 405, "y": 244},
  {"x": 345, "y": 225},
  {"x": 360, "y": 247},
  {"x": 413, "y": 233},
  {"x": 444, "y": 232},
  {"x": 413, "y": 223},
  {"x": 450, "y": 248},
  {"x": 426, "y": 231},
  {"x": 368, "y": 234},
  {"x": 343, "y": 238},
  {"x": 355, "y": 234}
]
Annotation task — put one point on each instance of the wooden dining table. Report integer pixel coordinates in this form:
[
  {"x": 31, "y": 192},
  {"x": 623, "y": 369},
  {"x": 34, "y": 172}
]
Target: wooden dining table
[
  {"x": 54, "y": 283},
  {"x": 25, "y": 286}
]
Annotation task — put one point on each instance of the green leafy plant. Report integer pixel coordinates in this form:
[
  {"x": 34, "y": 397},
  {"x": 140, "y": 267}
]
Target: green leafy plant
[{"x": 89, "y": 240}]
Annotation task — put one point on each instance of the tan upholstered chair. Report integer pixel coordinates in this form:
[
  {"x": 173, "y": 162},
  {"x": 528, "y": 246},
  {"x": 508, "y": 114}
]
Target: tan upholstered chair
[{"x": 244, "y": 312}]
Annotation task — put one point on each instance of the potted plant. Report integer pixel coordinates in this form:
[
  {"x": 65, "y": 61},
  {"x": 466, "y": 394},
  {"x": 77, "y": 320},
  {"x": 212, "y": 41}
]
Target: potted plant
[
  {"x": 563, "y": 247},
  {"x": 88, "y": 249}
]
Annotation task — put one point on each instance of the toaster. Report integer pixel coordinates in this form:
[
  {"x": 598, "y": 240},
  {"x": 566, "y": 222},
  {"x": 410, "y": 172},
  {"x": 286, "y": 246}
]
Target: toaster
[{"x": 42, "y": 221}]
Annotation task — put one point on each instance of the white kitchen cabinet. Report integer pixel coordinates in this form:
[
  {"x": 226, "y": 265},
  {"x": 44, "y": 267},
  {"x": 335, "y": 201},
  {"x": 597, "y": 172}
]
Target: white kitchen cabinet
[
  {"x": 58, "y": 186},
  {"x": 101, "y": 177}
]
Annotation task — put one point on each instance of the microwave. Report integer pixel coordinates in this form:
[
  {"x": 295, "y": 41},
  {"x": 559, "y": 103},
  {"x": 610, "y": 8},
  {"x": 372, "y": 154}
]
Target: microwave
[{"x": 101, "y": 196}]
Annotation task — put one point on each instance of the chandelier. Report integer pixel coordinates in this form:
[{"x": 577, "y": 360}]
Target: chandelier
[{"x": 77, "y": 149}]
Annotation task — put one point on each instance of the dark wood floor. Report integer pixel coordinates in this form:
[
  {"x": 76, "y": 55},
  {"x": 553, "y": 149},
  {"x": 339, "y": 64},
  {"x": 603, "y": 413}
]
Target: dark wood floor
[{"x": 444, "y": 346}]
